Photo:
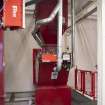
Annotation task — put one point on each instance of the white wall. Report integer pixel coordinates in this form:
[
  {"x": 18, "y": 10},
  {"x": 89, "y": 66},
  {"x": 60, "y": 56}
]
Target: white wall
[
  {"x": 18, "y": 58},
  {"x": 85, "y": 48},
  {"x": 86, "y": 44}
]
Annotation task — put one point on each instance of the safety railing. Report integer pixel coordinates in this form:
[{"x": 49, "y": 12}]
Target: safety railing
[{"x": 86, "y": 83}]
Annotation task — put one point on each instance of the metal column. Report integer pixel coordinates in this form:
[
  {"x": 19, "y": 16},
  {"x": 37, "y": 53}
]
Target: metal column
[{"x": 73, "y": 28}]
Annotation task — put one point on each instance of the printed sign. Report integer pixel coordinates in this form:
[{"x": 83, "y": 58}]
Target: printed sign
[{"x": 14, "y": 13}]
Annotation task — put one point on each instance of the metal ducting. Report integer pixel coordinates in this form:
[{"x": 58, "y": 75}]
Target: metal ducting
[{"x": 57, "y": 9}]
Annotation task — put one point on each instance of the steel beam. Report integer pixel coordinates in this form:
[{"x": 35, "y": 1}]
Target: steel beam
[
  {"x": 84, "y": 13},
  {"x": 87, "y": 11}
]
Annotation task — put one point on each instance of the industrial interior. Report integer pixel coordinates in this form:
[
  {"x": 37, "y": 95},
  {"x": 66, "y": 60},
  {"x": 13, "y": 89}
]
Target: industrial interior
[{"x": 49, "y": 52}]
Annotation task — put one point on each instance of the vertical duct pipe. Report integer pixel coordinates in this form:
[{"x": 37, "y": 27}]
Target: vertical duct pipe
[
  {"x": 59, "y": 37},
  {"x": 73, "y": 29}
]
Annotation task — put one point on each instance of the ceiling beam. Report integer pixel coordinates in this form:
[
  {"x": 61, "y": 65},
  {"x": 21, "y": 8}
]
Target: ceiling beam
[{"x": 87, "y": 11}]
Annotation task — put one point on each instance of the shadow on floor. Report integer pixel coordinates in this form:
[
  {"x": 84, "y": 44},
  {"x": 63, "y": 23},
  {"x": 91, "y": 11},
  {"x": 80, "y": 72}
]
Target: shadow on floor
[{"x": 78, "y": 99}]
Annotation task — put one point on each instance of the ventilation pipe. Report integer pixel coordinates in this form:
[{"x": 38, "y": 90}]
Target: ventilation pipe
[
  {"x": 58, "y": 9},
  {"x": 59, "y": 37}
]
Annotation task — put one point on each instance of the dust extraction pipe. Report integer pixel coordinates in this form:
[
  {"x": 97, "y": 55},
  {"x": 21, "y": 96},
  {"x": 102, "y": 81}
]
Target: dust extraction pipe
[
  {"x": 59, "y": 38},
  {"x": 58, "y": 9},
  {"x": 51, "y": 17}
]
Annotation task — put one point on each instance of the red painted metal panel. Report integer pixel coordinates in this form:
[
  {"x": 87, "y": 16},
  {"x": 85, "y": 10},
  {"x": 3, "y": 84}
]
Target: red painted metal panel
[
  {"x": 49, "y": 58},
  {"x": 44, "y": 73},
  {"x": 93, "y": 81},
  {"x": 44, "y": 77},
  {"x": 13, "y": 13},
  {"x": 49, "y": 31},
  {"x": 53, "y": 96}
]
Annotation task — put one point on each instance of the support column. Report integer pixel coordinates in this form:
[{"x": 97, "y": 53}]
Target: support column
[{"x": 101, "y": 52}]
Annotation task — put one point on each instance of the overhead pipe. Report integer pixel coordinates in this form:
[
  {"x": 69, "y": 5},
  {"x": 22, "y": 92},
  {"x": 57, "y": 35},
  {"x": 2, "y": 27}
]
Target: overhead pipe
[{"x": 58, "y": 9}]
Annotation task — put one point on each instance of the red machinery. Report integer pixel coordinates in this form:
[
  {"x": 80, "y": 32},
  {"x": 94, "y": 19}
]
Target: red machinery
[
  {"x": 85, "y": 82},
  {"x": 51, "y": 85},
  {"x": 50, "y": 89}
]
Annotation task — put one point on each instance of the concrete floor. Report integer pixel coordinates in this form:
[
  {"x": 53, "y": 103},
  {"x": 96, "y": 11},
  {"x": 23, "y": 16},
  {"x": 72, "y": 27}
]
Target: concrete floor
[{"x": 78, "y": 99}]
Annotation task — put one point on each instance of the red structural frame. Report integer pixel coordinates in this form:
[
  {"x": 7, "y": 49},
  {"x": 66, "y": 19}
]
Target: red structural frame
[{"x": 82, "y": 82}]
